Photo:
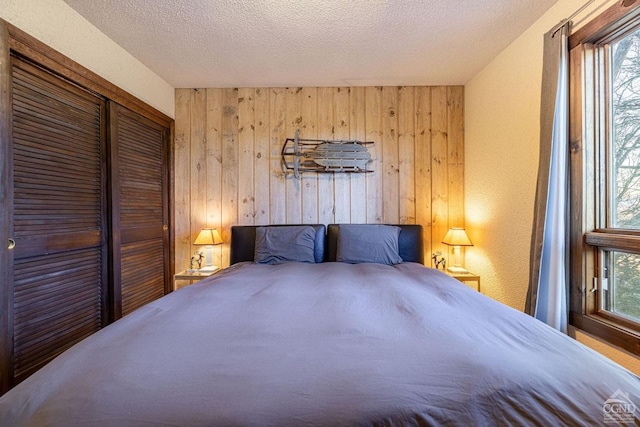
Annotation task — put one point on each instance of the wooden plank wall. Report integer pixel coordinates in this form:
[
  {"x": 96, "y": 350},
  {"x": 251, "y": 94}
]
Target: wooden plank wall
[{"x": 228, "y": 170}]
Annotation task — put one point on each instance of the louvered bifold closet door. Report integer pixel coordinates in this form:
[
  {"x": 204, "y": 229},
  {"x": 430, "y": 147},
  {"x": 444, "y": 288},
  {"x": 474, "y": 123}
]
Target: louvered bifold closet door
[
  {"x": 139, "y": 209},
  {"x": 58, "y": 216}
]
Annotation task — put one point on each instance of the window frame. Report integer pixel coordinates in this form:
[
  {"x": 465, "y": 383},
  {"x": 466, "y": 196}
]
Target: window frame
[{"x": 588, "y": 127}]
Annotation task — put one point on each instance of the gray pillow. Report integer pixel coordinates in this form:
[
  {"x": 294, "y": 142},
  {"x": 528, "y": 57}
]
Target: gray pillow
[
  {"x": 368, "y": 243},
  {"x": 275, "y": 245}
]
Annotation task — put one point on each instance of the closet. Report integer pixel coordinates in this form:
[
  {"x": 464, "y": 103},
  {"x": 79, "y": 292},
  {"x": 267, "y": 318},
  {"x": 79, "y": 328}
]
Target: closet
[
  {"x": 58, "y": 216},
  {"x": 139, "y": 209},
  {"x": 85, "y": 207}
]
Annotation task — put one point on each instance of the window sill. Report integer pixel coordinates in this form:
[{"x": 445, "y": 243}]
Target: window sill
[{"x": 608, "y": 331}]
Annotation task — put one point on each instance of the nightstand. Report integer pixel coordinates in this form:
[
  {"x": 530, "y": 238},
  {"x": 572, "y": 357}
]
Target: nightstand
[
  {"x": 191, "y": 277},
  {"x": 466, "y": 277}
]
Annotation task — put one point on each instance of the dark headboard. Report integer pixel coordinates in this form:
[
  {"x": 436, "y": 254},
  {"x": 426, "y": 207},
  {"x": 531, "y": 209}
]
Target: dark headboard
[
  {"x": 409, "y": 242},
  {"x": 243, "y": 239}
]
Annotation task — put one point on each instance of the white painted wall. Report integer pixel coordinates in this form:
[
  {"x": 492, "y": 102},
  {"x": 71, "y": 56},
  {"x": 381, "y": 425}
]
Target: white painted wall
[
  {"x": 502, "y": 116},
  {"x": 54, "y": 23}
]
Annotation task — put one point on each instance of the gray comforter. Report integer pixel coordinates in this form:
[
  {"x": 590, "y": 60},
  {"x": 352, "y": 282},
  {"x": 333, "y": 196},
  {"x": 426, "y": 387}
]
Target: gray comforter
[{"x": 323, "y": 344}]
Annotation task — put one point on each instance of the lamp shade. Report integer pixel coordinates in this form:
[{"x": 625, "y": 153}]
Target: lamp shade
[
  {"x": 208, "y": 236},
  {"x": 457, "y": 237}
]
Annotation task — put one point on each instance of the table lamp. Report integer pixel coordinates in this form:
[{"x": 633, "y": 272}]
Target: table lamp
[
  {"x": 208, "y": 237},
  {"x": 457, "y": 237}
]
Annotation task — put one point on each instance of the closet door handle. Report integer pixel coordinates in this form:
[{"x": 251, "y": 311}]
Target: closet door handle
[{"x": 12, "y": 244}]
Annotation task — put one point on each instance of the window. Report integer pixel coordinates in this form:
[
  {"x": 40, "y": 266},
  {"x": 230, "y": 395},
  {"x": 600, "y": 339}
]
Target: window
[
  {"x": 624, "y": 145},
  {"x": 605, "y": 164}
]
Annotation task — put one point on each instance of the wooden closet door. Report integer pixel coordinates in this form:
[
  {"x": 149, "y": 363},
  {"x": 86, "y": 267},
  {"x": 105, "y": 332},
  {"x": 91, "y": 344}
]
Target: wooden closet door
[
  {"x": 6, "y": 201},
  {"x": 139, "y": 209},
  {"x": 59, "y": 270}
]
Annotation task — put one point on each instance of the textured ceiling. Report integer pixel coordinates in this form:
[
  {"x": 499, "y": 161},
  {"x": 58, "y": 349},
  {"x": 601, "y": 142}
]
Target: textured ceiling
[{"x": 268, "y": 43}]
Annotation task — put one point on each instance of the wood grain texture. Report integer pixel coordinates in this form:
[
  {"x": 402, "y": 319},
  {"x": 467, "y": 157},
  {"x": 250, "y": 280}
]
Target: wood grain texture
[
  {"x": 293, "y": 120},
  {"x": 326, "y": 201},
  {"x": 439, "y": 168},
  {"x": 309, "y": 129},
  {"x": 6, "y": 199},
  {"x": 261, "y": 156},
  {"x": 246, "y": 150},
  {"x": 55, "y": 306},
  {"x": 278, "y": 134},
  {"x": 29, "y": 46},
  {"x": 373, "y": 131},
  {"x": 231, "y": 174},
  {"x": 341, "y": 181},
  {"x": 214, "y": 168},
  {"x": 406, "y": 156},
  {"x": 455, "y": 157},
  {"x": 199, "y": 164},
  {"x": 181, "y": 177},
  {"x": 422, "y": 165},
  {"x": 139, "y": 214},
  {"x": 58, "y": 216},
  {"x": 357, "y": 131},
  {"x": 616, "y": 15},
  {"x": 389, "y": 166},
  {"x": 73, "y": 161},
  {"x": 580, "y": 163},
  {"x": 418, "y": 159}
]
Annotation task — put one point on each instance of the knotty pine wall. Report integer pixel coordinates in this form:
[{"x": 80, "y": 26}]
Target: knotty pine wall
[{"x": 228, "y": 170}]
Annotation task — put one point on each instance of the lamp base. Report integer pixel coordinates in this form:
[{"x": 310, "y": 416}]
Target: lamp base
[{"x": 457, "y": 269}]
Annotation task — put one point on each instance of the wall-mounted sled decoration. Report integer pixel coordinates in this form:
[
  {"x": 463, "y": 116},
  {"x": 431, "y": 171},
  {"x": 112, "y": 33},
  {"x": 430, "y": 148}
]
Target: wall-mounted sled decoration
[{"x": 321, "y": 155}]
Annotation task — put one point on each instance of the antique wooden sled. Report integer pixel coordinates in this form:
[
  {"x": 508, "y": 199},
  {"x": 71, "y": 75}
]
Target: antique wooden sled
[{"x": 327, "y": 156}]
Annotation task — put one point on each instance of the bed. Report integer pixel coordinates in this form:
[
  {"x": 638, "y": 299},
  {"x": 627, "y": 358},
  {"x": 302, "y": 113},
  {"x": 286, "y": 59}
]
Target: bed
[{"x": 311, "y": 334}]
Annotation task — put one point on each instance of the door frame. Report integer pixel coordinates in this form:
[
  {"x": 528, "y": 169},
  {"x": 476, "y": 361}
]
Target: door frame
[{"x": 6, "y": 226}]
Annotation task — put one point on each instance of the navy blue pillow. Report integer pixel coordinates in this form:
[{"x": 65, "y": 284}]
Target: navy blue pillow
[
  {"x": 275, "y": 245},
  {"x": 358, "y": 243}
]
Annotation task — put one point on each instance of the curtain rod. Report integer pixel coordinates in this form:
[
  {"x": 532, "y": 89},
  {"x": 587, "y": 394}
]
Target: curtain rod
[
  {"x": 577, "y": 12},
  {"x": 623, "y": 3},
  {"x": 573, "y": 15}
]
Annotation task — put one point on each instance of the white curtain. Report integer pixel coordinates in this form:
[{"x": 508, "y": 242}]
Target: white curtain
[{"x": 548, "y": 276}]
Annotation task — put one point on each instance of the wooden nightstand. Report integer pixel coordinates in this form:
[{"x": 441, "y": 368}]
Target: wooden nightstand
[
  {"x": 466, "y": 277},
  {"x": 191, "y": 277}
]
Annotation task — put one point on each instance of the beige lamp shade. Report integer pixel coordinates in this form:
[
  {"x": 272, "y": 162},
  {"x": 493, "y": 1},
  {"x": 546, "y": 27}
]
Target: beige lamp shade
[
  {"x": 457, "y": 237},
  {"x": 208, "y": 236}
]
